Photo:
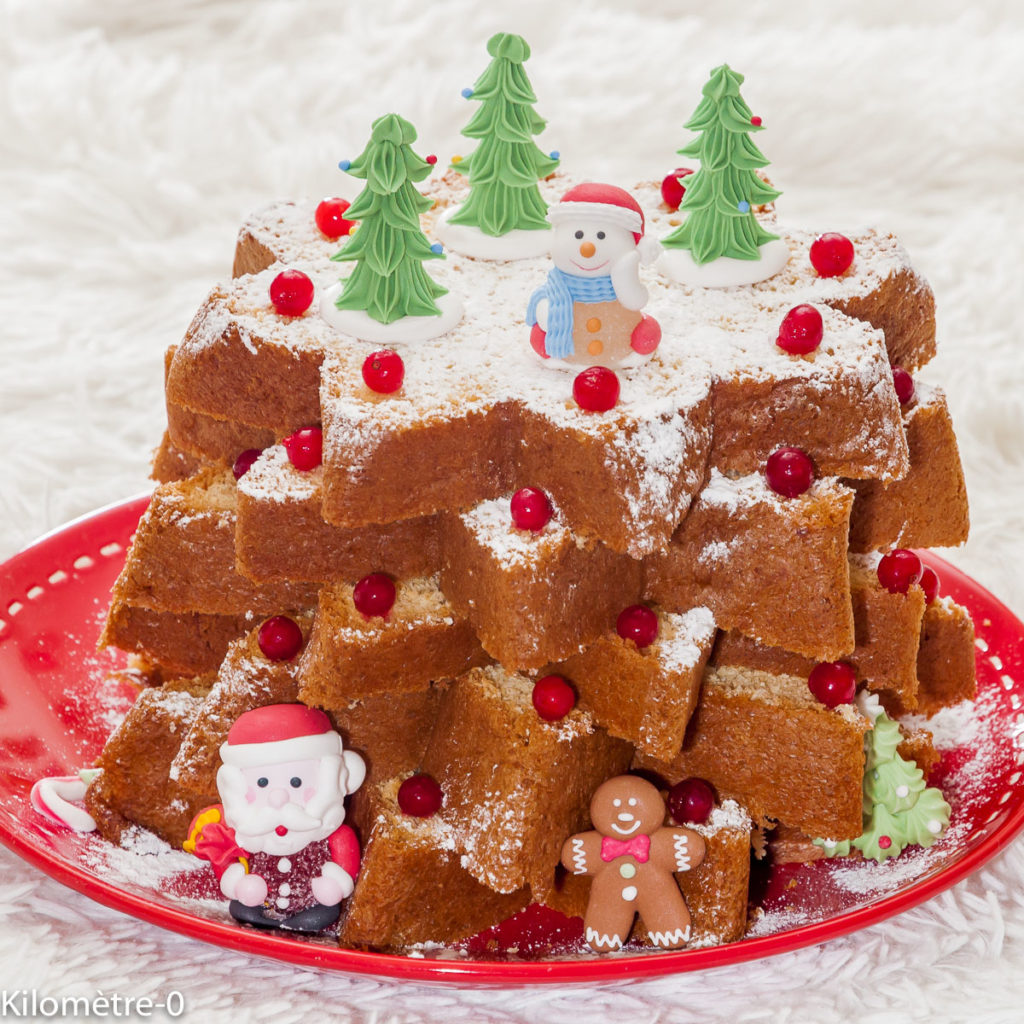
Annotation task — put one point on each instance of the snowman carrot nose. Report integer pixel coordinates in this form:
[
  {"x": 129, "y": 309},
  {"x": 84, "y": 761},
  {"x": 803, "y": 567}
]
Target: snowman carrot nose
[{"x": 587, "y": 250}]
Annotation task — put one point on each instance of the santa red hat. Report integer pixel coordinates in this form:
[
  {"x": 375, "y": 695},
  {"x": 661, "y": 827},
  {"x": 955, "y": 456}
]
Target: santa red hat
[
  {"x": 608, "y": 204},
  {"x": 280, "y": 732}
]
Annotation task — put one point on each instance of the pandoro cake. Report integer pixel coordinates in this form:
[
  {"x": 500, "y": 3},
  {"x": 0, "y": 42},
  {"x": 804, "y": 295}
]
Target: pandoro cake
[{"x": 508, "y": 488}]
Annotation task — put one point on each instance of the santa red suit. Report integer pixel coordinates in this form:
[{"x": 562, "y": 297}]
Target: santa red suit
[{"x": 277, "y": 843}]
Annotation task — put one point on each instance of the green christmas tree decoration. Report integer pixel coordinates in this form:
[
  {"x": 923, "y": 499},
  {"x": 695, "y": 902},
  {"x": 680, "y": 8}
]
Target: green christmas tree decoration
[
  {"x": 389, "y": 247},
  {"x": 505, "y": 167},
  {"x": 900, "y": 809},
  {"x": 720, "y": 197}
]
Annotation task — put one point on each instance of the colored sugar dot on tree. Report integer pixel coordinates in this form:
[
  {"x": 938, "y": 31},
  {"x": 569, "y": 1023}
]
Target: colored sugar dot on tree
[
  {"x": 743, "y": 206},
  {"x": 596, "y": 389},
  {"x": 831, "y": 254},
  {"x": 432, "y": 159},
  {"x": 553, "y": 698},
  {"x": 929, "y": 583},
  {"x": 437, "y": 247},
  {"x": 756, "y": 121},
  {"x": 899, "y": 570},
  {"x": 884, "y": 842},
  {"x": 305, "y": 448},
  {"x": 672, "y": 188},
  {"x": 291, "y": 293},
  {"x": 555, "y": 154},
  {"x": 420, "y": 796},
  {"x": 330, "y": 217},
  {"x": 344, "y": 165},
  {"x": 531, "y": 509},
  {"x": 244, "y": 462},
  {"x": 639, "y": 624},
  {"x": 789, "y": 471},
  {"x": 691, "y": 801},
  {"x": 904, "y": 385},
  {"x": 374, "y": 595},
  {"x": 383, "y": 371},
  {"x": 801, "y": 330},
  {"x": 467, "y": 93},
  {"x": 280, "y": 638},
  {"x": 833, "y": 683}
]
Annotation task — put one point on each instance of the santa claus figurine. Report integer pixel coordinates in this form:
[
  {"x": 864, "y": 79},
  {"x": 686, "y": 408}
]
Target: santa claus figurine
[
  {"x": 588, "y": 311},
  {"x": 276, "y": 842}
]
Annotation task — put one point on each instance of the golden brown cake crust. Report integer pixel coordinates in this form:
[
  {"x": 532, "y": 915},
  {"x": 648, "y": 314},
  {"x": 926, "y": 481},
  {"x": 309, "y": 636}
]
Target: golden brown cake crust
[
  {"x": 645, "y": 696},
  {"x": 763, "y": 741},
  {"x": 532, "y": 599},
  {"x": 928, "y": 507},
  {"x": 134, "y": 787},
  {"x": 772, "y": 568},
  {"x": 515, "y": 786}
]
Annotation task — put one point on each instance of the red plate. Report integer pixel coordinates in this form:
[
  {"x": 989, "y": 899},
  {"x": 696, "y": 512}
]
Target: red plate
[{"x": 56, "y": 711}]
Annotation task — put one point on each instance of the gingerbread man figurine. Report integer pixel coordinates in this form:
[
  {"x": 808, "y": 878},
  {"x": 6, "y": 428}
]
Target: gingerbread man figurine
[{"x": 633, "y": 857}]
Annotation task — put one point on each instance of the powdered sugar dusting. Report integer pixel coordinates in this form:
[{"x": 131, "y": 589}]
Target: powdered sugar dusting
[
  {"x": 684, "y": 639},
  {"x": 273, "y": 478},
  {"x": 491, "y": 525}
]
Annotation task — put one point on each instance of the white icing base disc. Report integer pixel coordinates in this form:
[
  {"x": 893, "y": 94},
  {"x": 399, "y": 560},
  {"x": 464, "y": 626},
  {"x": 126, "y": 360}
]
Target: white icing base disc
[
  {"x": 360, "y": 324},
  {"x": 471, "y": 241},
  {"x": 725, "y": 272},
  {"x": 634, "y": 359}
]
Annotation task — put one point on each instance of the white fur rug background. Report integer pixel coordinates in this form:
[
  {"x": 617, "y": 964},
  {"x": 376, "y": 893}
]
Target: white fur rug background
[{"x": 134, "y": 136}]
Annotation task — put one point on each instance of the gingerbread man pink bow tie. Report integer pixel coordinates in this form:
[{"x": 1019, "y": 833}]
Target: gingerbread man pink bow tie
[{"x": 638, "y": 846}]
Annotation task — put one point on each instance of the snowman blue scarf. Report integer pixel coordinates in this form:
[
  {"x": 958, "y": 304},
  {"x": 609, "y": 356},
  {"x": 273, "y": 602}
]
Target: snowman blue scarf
[{"x": 562, "y": 290}]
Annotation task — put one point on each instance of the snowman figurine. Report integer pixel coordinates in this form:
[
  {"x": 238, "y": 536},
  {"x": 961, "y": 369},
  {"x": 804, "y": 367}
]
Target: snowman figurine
[{"x": 588, "y": 311}]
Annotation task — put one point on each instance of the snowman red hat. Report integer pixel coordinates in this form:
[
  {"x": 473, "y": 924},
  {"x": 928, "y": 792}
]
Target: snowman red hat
[
  {"x": 279, "y": 733},
  {"x": 605, "y": 204}
]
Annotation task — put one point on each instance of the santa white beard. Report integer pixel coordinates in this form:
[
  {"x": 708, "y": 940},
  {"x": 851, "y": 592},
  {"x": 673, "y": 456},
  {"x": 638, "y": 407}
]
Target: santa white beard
[{"x": 255, "y": 827}]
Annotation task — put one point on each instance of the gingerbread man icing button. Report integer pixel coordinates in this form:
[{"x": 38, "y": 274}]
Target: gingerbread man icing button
[{"x": 633, "y": 857}]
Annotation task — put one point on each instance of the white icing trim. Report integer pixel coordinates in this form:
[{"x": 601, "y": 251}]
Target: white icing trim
[
  {"x": 599, "y": 940},
  {"x": 607, "y": 213},
  {"x": 51, "y": 798},
  {"x": 725, "y": 272},
  {"x": 297, "y": 748},
  {"x": 663, "y": 939},
  {"x": 360, "y": 324},
  {"x": 470, "y": 241}
]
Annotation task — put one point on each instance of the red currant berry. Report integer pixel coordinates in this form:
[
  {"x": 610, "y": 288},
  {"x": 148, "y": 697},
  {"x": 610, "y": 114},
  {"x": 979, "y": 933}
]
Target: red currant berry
[
  {"x": 531, "y": 509},
  {"x": 904, "y": 384},
  {"x": 553, "y": 698},
  {"x": 789, "y": 471},
  {"x": 280, "y": 638},
  {"x": 374, "y": 595},
  {"x": 801, "y": 330},
  {"x": 691, "y": 801},
  {"x": 929, "y": 583},
  {"x": 305, "y": 448},
  {"x": 596, "y": 389},
  {"x": 291, "y": 293},
  {"x": 833, "y": 683},
  {"x": 244, "y": 462},
  {"x": 330, "y": 218},
  {"x": 639, "y": 624},
  {"x": 383, "y": 371},
  {"x": 899, "y": 570},
  {"x": 420, "y": 796},
  {"x": 831, "y": 254},
  {"x": 672, "y": 190}
]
